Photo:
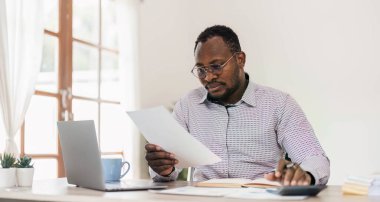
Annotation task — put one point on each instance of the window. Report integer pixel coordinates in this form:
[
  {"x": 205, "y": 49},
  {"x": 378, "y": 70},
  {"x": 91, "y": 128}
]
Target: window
[{"x": 79, "y": 80}]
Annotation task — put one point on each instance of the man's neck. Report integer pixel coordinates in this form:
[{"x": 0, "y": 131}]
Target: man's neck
[{"x": 238, "y": 94}]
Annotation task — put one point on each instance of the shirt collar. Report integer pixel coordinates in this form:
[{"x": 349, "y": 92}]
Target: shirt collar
[{"x": 248, "y": 96}]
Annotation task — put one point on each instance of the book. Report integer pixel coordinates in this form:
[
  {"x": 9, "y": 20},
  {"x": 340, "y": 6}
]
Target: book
[
  {"x": 355, "y": 185},
  {"x": 239, "y": 182}
]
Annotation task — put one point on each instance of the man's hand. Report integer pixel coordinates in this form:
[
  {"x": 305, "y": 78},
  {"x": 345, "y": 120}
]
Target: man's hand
[
  {"x": 159, "y": 160},
  {"x": 289, "y": 174}
]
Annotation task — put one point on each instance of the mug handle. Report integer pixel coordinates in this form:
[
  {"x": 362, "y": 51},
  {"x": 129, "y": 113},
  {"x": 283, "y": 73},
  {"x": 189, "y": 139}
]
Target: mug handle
[{"x": 122, "y": 165}]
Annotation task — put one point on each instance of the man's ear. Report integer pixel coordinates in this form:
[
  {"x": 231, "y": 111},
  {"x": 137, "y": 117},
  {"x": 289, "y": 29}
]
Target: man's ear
[{"x": 241, "y": 59}]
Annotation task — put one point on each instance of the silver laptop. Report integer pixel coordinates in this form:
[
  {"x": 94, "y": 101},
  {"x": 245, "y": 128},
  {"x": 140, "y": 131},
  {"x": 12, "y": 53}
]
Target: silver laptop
[{"x": 83, "y": 161}]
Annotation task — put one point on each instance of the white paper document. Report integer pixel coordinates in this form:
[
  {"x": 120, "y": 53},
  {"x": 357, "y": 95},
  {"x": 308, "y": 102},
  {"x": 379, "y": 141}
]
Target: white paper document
[
  {"x": 199, "y": 191},
  {"x": 160, "y": 128},
  {"x": 239, "y": 193}
]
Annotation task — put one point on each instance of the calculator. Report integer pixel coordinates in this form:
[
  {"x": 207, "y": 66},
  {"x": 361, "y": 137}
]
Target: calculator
[{"x": 311, "y": 190}]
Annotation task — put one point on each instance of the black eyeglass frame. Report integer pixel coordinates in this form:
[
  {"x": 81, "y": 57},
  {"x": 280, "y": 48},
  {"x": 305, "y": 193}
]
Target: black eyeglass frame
[{"x": 211, "y": 68}]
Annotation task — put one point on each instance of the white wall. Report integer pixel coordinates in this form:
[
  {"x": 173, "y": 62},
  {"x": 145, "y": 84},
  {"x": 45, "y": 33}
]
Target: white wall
[{"x": 325, "y": 53}]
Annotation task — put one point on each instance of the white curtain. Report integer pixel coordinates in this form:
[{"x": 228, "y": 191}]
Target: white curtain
[
  {"x": 21, "y": 42},
  {"x": 127, "y": 27}
]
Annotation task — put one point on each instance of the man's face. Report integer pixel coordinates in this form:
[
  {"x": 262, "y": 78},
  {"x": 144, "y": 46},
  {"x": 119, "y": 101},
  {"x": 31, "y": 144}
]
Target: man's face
[{"x": 220, "y": 86}]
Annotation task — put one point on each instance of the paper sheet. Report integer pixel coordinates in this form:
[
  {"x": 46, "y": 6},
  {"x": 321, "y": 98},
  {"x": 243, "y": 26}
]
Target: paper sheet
[
  {"x": 240, "y": 193},
  {"x": 160, "y": 128},
  {"x": 199, "y": 191}
]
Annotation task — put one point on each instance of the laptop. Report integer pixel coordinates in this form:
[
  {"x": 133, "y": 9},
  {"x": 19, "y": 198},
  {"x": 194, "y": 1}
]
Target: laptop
[{"x": 82, "y": 159}]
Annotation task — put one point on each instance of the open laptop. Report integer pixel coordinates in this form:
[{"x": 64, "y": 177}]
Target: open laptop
[{"x": 83, "y": 161}]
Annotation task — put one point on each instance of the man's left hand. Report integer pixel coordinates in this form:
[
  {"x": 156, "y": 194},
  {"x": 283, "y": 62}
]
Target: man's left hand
[{"x": 289, "y": 174}]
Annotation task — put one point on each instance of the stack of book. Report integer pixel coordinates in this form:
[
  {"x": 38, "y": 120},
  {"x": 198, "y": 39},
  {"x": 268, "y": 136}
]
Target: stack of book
[{"x": 362, "y": 185}]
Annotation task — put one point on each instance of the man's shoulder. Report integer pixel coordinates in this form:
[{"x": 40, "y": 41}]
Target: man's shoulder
[
  {"x": 195, "y": 95},
  {"x": 262, "y": 90},
  {"x": 190, "y": 100}
]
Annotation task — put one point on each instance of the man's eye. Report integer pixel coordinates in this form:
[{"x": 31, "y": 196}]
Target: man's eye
[
  {"x": 201, "y": 70},
  {"x": 216, "y": 66}
]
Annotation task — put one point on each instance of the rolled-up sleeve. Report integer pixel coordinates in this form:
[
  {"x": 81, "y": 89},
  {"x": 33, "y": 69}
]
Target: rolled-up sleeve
[
  {"x": 158, "y": 178},
  {"x": 297, "y": 138}
]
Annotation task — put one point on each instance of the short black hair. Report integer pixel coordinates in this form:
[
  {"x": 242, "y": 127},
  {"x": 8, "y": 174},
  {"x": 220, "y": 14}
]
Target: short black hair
[{"x": 228, "y": 35}]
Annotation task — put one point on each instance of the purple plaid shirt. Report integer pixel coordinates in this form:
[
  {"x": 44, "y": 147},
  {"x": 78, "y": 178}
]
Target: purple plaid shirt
[{"x": 250, "y": 136}]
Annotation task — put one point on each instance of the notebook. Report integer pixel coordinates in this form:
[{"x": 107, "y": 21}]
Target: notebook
[
  {"x": 238, "y": 182},
  {"x": 82, "y": 159}
]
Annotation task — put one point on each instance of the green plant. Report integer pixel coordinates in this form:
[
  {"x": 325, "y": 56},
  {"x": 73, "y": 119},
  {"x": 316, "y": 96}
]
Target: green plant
[
  {"x": 182, "y": 176},
  {"x": 7, "y": 160},
  {"x": 24, "y": 162}
]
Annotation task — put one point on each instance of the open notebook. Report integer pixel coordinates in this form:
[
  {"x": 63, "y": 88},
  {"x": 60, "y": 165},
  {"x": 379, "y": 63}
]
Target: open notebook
[{"x": 238, "y": 182}]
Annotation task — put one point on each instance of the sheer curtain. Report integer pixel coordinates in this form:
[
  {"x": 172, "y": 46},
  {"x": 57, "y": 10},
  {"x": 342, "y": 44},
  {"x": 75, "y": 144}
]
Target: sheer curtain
[
  {"x": 21, "y": 42},
  {"x": 127, "y": 22}
]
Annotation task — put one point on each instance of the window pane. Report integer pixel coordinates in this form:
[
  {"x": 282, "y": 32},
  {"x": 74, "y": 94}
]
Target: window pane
[
  {"x": 110, "y": 88},
  {"x": 113, "y": 130},
  {"x": 48, "y": 76},
  {"x": 86, "y": 20},
  {"x": 109, "y": 28},
  {"x": 112, "y": 156},
  {"x": 40, "y": 126},
  {"x": 85, "y": 110},
  {"x": 51, "y": 15},
  {"x": 85, "y": 70},
  {"x": 45, "y": 169}
]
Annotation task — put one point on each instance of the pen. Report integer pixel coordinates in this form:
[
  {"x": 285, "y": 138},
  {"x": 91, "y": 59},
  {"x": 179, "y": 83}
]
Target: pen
[{"x": 286, "y": 166}]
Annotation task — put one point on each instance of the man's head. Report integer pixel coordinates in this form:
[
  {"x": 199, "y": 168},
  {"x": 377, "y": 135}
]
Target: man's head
[
  {"x": 220, "y": 64},
  {"x": 228, "y": 35}
]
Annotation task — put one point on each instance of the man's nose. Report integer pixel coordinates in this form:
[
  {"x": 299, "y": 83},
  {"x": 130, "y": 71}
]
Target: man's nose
[{"x": 209, "y": 76}]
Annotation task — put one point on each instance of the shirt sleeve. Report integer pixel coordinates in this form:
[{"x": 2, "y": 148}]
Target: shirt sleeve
[
  {"x": 158, "y": 178},
  {"x": 297, "y": 138},
  {"x": 180, "y": 114}
]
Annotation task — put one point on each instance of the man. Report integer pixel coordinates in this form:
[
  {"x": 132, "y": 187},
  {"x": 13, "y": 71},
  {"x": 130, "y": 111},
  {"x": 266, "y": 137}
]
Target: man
[{"x": 249, "y": 126}]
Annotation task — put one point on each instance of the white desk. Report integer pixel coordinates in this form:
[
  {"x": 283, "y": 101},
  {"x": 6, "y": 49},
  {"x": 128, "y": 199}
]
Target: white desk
[{"x": 59, "y": 190}]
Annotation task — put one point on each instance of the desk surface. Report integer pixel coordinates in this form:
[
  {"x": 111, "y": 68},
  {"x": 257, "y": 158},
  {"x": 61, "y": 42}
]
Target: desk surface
[{"x": 59, "y": 190}]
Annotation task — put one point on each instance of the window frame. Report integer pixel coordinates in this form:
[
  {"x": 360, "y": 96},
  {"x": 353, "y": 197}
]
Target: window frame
[{"x": 65, "y": 71}]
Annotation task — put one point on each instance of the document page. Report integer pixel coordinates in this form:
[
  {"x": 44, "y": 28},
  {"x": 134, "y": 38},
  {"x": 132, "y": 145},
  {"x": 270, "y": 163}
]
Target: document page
[
  {"x": 199, "y": 191},
  {"x": 237, "y": 193},
  {"x": 160, "y": 128}
]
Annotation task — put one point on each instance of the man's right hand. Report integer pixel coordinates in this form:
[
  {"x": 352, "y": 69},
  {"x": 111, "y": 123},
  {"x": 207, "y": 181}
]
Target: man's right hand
[{"x": 159, "y": 160}]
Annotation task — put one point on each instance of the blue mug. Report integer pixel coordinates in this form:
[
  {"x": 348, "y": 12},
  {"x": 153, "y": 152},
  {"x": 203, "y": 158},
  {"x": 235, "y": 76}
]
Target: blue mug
[{"x": 112, "y": 169}]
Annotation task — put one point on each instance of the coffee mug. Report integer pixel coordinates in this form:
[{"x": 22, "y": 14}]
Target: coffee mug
[{"x": 112, "y": 169}]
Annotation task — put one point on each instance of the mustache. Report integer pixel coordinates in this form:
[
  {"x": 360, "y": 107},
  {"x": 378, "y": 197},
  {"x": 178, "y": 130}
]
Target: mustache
[{"x": 207, "y": 86}]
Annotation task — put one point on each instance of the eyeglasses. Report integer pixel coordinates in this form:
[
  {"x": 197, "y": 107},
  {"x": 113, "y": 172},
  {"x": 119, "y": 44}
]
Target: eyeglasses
[{"x": 201, "y": 71}]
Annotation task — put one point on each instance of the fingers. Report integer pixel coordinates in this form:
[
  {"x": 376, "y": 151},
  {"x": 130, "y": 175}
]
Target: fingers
[
  {"x": 281, "y": 167},
  {"x": 152, "y": 148},
  {"x": 270, "y": 176},
  {"x": 293, "y": 175},
  {"x": 290, "y": 174},
  {"x": 164, "y": 170},
  {"x": 296, "y": 176},
  {"x": 159, "y": 160},
  {"x": 159, "y": 155}
]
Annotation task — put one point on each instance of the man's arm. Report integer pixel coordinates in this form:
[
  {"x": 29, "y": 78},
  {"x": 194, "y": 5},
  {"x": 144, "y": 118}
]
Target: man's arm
[
  {"x": 161, "y": 164},
  {"x": 172, "y": 173},
  {"x": 296, "y": 136}
]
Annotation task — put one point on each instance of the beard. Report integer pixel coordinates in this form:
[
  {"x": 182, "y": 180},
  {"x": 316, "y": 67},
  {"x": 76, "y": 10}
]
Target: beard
[
  {"x": 236, "y": 84},
  {"x": 226, "y": 95}
]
